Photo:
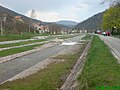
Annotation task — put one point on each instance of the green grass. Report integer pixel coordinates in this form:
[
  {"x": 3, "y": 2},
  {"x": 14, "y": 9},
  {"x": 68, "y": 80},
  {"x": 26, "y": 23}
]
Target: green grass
[
  {"x": 18, "y": 37},
  {"x": 14, "y": 37},
  {"x": 17, "y": 50},
  {"x": 49, "y": 78},
  {"x": 20, "y": 43},
  {"x": 87, "y": 37},
  {"x": 100, "y": 69}
]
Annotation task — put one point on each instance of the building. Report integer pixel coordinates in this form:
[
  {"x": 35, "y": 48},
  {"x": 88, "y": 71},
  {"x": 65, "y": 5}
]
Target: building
[
  {"x": 40, "y": 28},
  {"x": 18, "y": 18}
]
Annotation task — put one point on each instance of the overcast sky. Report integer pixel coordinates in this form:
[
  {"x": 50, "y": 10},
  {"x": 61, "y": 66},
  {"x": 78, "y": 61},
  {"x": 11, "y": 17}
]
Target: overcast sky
[{"x": 55, "y": 10}]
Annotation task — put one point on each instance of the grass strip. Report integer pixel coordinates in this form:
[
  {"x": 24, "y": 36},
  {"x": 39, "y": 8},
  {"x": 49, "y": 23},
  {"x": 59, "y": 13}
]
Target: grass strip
[
  {"x": 19, "y": 36},
  {"x": 14, "y": 37},
  {"x": 20, "y": 43},
  {"x": 50, "y": 78},
  {"x": 101, "y": 70},
  {"x": 87, "y": 37},
  {"x": 17, "y": 50}
]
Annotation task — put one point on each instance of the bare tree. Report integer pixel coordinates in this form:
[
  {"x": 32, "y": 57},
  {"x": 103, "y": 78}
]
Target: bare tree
[
  {"x": 32, "y": 15},
  {"x": 111, "y": 2},
  {"x": 54, "y": 28}
]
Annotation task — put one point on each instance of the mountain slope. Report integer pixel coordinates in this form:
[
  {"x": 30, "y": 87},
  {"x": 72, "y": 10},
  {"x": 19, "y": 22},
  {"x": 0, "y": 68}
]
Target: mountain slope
[
  {"x": 92, "y": 23},
  {"x": 67, "y": 23},
  {"x": 4, "y": 10},
  {"x": 12, "y": 26}
]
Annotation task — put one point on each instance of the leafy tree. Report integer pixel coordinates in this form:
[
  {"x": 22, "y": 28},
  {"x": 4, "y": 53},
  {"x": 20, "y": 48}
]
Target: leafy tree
[
  {"x": 111, "y": 19},
  {"x": 111, "y": 2}
]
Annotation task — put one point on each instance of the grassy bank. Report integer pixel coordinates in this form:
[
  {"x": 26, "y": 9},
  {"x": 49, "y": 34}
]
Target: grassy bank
[
  {"x": 17, "y": 50},
  {"x": 18, "y": 37},
  {"x": 14, "y": 37},
  {"x": 87, "y": 37},
  {"x": 50, "y": 78},
  {"x": 101, "y": 70},
  {"x": 20, "y": 43}
]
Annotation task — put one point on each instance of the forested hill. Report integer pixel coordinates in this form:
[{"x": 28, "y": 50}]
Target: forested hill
[{"x": 92, "y": 23}]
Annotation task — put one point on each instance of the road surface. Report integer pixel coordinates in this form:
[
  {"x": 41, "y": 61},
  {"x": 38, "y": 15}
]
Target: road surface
[
  {"x": 13, "y": 67},
  {"x": 114, "y": 44}
]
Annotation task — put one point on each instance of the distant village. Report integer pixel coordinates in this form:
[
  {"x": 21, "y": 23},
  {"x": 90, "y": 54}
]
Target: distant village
[{"x": 35, "y": 27}]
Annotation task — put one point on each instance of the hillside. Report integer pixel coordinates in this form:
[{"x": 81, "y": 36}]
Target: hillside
[
  {"x": 4, "y": 10},
  {"x": 16, "y": 27},
  {"x": 92, "y": 23},
  {"x": 66, "y": 23}
]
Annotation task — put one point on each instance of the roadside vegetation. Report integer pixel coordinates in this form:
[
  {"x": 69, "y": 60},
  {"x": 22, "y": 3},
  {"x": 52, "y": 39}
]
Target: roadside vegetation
[
  {"x": 17, "y": 50},
  {"x": 111, "y": 17},
  {"x": 87, "y": 37},
  {"x": 50, "y": 78},
  {"x": 101, "y": 70}
]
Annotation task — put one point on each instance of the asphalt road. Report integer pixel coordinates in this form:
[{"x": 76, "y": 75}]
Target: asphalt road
[
  {"x": 114, "y": 44},
  {"x": 13, "y": 67}
]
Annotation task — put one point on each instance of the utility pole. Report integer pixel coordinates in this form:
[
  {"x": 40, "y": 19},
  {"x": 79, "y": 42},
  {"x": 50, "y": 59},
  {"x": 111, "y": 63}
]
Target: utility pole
[
  {"x": 1, "y": 26},
  {"x": 32, "y": 15},
  {"x": 2, "y": 20}
]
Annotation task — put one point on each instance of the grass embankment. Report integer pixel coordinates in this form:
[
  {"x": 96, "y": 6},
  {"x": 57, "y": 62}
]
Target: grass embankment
[
  {"x": 87, "y": 37},
  {"x": 17, "y": 50},
  {"x": 101, "y": 70},
  {"x": 20, "y": 43},
  {"x": 49, "y": 78},
  {"x": 18, "y": 37},
  {"x": 14, "y": 37}
]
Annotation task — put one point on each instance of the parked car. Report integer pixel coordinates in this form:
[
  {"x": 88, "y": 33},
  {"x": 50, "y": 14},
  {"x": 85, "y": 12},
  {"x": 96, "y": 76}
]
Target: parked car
[{"x": 98, "y": 32}]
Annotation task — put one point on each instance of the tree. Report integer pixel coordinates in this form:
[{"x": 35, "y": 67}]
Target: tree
[
  {"x": 111, "y": 2},
  {"x": 111, "y": 19},
  {"x": 54, "y": 28}
]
